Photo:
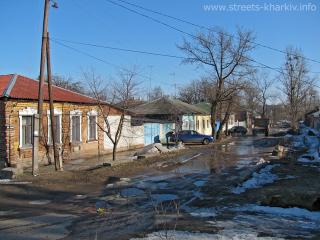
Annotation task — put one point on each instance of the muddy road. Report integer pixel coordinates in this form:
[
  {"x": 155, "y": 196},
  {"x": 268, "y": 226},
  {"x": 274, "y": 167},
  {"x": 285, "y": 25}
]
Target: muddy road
[{"x": 221, "y": 191}]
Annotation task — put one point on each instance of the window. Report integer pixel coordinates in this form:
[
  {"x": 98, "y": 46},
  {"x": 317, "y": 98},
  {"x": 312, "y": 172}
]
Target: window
[
  {"x": 76, "y": 129},
  {"x": 92, "y": 128},
  {"x": 198, "y": 124},
  {"x": 208, "y": 124},
  {"x": 203, "y": 124},
  {"x": 185, "y": 124},
  {"x": 57, "y": 129},
  {"x": 26, "y": 131}
]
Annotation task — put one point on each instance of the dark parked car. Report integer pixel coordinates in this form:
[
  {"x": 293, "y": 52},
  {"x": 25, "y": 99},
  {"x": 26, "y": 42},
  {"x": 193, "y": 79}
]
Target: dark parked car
[
  {"x": 191, "y": 136},
  {"x": 237, "y": 130}
]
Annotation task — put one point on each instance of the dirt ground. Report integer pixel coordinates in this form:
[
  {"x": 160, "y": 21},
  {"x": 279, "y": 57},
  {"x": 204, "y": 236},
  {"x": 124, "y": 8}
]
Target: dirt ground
[{"x": 92, "y": 204}]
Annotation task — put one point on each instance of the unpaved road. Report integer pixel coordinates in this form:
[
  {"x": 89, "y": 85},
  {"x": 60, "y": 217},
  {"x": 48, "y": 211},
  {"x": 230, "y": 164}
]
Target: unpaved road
[{"x": 197, "y": 190}]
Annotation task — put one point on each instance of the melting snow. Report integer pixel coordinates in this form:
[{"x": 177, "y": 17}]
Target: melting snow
[
  {"x": 258, "y": 180},
  {"x": 288, "y": 212},
  {"x": 40, "y": 202},
  {"x": 261, "y": 161},
  {"x": 179, "y": 235},
  {"x": 202, "y": 212},
  {"x": 10, "y": 182}
]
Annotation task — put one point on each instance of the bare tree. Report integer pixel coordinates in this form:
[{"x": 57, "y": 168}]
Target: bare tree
[
  {"x": 68, "y": 83},
  {"x": 250, "y": 97},
  {"x": 196, "y": 91},
  {"x": 296, "y": 84},
  {"x": 122, "y": 91},
  {"x": 156, "y": 93},
  {"x": 263, "y": 84},
  {"x": 227, "y": 60},
  {"x": 225, "y": 118}
]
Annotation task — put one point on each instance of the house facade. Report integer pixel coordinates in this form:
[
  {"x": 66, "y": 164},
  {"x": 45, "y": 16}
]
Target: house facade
[
  {"x": 164, "y": 115},
  {"x": 79, "y": 123},
  {"x": 203, "y": 121}
]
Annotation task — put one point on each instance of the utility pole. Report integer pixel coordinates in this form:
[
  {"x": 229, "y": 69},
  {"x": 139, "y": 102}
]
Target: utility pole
[
  {"x": 37, "y": 123},
  {"x": 38, "y": 134},
  {"x": 150, "y": 84},
  {"x": 174, "y": 84},
  {"x": 57, "y": 162}
]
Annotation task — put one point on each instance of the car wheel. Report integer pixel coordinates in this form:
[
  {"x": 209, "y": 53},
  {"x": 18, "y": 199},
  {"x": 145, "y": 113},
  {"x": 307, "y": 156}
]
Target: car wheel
[{"x": 205, "y": 141}]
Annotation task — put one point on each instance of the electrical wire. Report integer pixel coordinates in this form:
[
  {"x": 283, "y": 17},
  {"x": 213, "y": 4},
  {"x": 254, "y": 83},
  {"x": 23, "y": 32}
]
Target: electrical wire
[{"x": 202, "y": 27}]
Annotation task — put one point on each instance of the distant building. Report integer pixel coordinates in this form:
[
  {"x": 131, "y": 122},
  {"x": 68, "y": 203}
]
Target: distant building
[
  {"x": 164, "y": 115},
  {"x": 312, "y": 119},
  {"x": 243, "y": 118}
]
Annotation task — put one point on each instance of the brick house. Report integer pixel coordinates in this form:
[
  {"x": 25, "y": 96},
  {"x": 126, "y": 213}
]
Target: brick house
[{"x": 77, "y": 121}]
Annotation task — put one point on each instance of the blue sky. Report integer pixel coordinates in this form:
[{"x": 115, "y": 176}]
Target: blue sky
[{"x": 97, "y": 21}]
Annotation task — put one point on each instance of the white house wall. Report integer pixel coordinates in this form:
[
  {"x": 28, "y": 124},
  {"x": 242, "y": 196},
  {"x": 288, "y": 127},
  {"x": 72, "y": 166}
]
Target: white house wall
[
  {"x": 131, "y": 137},
  {"x": 188, "y": 122}
]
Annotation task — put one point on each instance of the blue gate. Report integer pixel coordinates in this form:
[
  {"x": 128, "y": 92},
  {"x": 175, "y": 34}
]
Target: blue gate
[{"x": 151, "y": 133}]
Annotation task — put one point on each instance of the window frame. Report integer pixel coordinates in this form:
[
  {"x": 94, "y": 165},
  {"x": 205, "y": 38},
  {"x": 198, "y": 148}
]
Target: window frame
[
  {"x": 27, "y": 112},
  {"x": 90, "y": 114},
  {"x": 57, "y": 113},
  {"x": 76, "y": 113}
]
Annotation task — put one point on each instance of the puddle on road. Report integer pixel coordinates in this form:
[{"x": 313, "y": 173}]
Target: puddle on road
[
  {"x": 200, "y": 183},
  {"x": 131, "y": 192},
  {"x": 159, "y": 198},
  {"x": 184, "y": 184}
]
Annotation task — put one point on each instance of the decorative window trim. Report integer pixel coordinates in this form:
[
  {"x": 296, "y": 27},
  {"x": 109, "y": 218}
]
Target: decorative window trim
[
  {"x": 27, "y": 112},
  {"x": 56, "y": 112},
  {"x": 92, "y": 113},
  {"x": 76, "y": 113}
]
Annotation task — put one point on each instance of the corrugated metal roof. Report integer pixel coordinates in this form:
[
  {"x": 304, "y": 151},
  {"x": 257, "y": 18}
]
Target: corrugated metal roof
[
  {"x": 4, "y": 83},
  {"x": 167, "y": 106},
  {"x": 204, "y": 106},
  {"x": 27, "y": 88}
]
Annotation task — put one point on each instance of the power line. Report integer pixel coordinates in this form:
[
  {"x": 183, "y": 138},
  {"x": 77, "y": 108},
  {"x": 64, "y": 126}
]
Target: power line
[
  {"x": 169, "y": 26},
  {"x": 192, "y": 35},
  {"x": 93, "y": 57},
  {"x": 57, "y": 40},
  {"x": 146, "y": 77},
  {"x": 199, "y": 26},
  {"x": 149, "y": 17},
  {"x": 120, "y": 49},
  {"x": 100, "y": 59}
]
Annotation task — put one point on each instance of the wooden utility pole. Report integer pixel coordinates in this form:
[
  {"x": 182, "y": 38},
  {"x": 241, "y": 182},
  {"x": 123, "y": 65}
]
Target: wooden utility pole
[
  {"x": 38, "y": 134},
  {"x": 57, "y": 163}
]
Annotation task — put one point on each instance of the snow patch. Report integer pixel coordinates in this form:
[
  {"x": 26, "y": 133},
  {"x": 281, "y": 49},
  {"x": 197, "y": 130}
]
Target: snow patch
[
  {"x": 180, "y": 235},
  {"x": 263, "y": 177},
  {"x": 278, "y": 211},
  {"x": 11, "y": 182},
  {"x": 202, "y": 212},
  {"x": 40, "y": 202},
  {"x": 261, "y": 161}
]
